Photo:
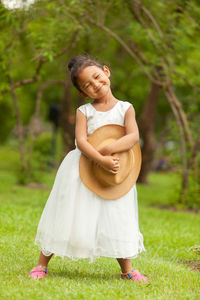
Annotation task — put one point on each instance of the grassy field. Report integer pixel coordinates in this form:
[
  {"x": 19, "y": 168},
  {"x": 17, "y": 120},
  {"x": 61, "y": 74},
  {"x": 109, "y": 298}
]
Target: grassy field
[{"x": 168, "y": 237}]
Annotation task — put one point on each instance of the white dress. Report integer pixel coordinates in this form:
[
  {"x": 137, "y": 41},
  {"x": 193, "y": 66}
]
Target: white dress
[{"x": 77, "y": 223}]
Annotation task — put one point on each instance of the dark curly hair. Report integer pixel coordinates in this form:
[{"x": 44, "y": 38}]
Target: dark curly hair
[{"x": 78, "y": 63}]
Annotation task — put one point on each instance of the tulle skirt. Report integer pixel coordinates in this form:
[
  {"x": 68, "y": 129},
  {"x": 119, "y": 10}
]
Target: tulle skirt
[{"x": 77, "y": 223}]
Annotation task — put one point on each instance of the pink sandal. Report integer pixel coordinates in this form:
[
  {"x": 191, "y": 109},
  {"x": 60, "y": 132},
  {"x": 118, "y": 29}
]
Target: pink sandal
[
  {"x": 134, "y": 275},
  {"x": 38, "y": 271}
]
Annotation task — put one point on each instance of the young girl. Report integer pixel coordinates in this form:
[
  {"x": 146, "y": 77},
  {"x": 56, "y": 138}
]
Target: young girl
[{"x": 75, "y": 222}]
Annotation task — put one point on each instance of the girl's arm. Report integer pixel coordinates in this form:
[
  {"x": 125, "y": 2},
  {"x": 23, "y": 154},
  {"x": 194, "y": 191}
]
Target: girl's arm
[
  {"x": 108, "y": 162},
  {"x": 127, "y": 141},
  {"x": 81, "y": 138}
]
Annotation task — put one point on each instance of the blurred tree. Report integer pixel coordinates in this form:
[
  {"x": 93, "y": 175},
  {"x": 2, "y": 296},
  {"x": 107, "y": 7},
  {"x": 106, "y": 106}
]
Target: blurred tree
[
  {"x": 165, "y": 38},
  {"x": 161, "y": 57},
  {"x": 35, "y": 46}
]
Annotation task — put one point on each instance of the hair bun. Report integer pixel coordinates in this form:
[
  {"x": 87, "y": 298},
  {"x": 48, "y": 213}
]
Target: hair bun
[
  {"x": 71, "y": 63},
  {"x": 79, "y": 59}
]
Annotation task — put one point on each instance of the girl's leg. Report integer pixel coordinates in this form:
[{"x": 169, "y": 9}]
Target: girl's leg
[
  {"x": 125, "y": 265},
  {"x": 40, "y": 270},
  {"x": 44, "y": 260}
]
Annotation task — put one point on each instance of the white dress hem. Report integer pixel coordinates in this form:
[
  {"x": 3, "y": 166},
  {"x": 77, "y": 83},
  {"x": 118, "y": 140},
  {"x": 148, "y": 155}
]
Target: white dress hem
[{"x": 92, "y": 258}]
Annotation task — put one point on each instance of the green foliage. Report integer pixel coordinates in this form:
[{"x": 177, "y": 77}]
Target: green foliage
[
  {"x": 46, "y": 29},
  {"x": 41, "y": 156},
  {"x": 23, "y": 176},
  {"x": 42, "y": 144},
  {"x": 7, "y": 121},
  {"x": 39, "y": 161},
  {"x": 192, "y": 199}
]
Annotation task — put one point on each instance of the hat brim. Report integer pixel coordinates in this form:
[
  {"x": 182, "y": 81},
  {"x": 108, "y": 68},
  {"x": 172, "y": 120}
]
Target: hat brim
[{"x": 86, "y": 165}]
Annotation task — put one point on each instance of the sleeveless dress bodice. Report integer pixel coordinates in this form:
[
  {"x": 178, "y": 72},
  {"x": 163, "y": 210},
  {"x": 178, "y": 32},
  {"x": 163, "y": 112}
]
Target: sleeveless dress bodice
[{"x": 96, "y": 119}]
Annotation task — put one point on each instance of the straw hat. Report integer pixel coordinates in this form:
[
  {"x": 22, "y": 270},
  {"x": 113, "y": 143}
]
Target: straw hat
[{"x": 101, "y": 182}]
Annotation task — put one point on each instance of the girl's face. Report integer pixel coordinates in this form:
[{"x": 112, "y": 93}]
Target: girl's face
[{"x": 94, "y": 82}]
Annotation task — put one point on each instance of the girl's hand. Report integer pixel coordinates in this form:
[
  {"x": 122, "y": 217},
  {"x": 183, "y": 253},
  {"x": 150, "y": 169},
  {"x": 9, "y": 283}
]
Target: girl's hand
[{"x": 110, "y": 164}]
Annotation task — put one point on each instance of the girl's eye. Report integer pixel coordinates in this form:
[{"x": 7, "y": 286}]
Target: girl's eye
[
  {"x": 96, "y": 76},
  {"x": 87, "y": 86}
]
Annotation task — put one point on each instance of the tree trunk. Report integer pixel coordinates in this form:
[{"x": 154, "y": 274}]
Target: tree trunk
[
  {"x": 178, "y": 113},
  {"x": 146, "y": 126},
  {"x": 20, "y": 132},
  {"x": 35, "y": 123},
  {"x": 68, "y": 127}
]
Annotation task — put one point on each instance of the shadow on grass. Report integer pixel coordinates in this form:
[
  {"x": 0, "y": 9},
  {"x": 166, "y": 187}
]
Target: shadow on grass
[
  {"x": 82, "y": 276},
  {"x": 91, "y": 277}
]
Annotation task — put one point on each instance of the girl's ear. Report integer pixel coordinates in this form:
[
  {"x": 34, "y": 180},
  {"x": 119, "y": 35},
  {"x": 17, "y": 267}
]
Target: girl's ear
[{"x": 106, "y": 70}]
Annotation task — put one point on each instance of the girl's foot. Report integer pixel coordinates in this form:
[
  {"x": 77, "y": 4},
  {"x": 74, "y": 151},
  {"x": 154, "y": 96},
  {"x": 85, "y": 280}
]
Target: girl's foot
[
  {"x": 38, "y": 272},
  {"x": 134, "y": 275}
]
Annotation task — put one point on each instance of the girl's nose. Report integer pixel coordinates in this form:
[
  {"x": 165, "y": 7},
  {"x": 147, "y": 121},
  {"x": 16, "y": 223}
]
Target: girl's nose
[
  {"x": 97, "y": 87},
  {"x": 96, "y": 84}
]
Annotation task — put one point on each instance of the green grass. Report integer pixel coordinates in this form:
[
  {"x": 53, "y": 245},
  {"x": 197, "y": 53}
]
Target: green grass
[{"x": 167, "y": 238}]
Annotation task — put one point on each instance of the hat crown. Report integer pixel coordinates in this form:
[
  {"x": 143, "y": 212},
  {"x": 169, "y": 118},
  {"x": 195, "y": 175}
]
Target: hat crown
[{"x": 107, "y": 178}]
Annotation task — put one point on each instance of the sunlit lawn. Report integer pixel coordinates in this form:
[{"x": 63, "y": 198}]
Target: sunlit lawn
[{"x": 168, "y": 237}]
